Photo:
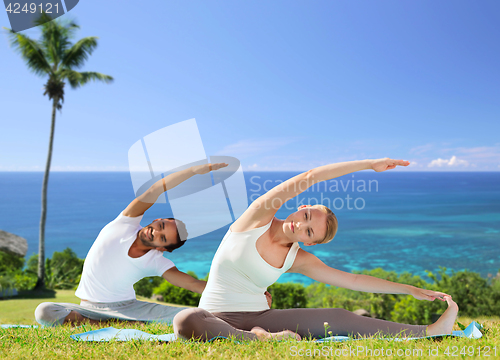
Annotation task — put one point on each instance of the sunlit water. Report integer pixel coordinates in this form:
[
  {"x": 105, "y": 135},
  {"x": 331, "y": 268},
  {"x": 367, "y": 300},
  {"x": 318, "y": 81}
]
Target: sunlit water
[{"x": 401, "y": 221}]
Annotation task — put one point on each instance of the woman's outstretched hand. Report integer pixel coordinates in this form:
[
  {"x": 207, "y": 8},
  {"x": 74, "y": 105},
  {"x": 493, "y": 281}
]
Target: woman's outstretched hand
[
  {"x": 387, "y": 164},
  {"x": 422, "y": 294}
]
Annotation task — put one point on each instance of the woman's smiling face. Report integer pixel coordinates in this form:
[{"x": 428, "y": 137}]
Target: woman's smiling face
[{"x": 307, "y": 225}]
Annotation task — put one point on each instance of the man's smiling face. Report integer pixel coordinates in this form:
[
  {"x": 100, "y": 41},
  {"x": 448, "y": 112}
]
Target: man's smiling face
[{"x": 161, "y": 234}]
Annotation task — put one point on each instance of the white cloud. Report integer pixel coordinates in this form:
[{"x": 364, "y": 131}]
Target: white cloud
[
  {"x": 484, "y": 157},
  {"x": 452, "y": 162},
  {"x": 438, "y": 162}
]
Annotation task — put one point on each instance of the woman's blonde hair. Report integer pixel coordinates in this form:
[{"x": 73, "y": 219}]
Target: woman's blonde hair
[{"x": 332, "y": 224}]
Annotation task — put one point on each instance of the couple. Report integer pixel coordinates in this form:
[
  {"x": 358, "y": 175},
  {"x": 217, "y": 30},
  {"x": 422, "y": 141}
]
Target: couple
[{"x": 256, "y": 250}]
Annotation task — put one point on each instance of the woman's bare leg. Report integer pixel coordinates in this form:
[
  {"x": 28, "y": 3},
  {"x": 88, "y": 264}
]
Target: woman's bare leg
[
  {"x": 444, "y": 325},
  {"x": 323, "y": 322},
  {"x": 318, "y": 323}
]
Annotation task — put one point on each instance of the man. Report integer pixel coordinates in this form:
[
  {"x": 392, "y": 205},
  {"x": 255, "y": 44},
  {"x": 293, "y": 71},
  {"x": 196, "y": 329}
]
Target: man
[{"x": 123, "y": 253}]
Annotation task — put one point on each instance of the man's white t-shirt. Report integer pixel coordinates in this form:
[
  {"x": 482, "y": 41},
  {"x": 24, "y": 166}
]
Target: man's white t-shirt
[{"x": 109, "y": 273}]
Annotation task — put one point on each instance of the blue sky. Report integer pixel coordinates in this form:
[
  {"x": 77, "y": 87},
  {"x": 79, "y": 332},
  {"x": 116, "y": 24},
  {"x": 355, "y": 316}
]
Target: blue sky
[{"x": 282, "y": 85}]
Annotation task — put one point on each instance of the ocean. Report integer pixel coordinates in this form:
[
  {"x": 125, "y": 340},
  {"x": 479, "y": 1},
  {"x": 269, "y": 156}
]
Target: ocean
[{"x": 400, "y": 221}]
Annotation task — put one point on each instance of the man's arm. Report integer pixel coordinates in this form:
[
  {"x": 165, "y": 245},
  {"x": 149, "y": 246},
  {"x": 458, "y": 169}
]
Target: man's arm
[
  {"x": 143, "y": 202},
  {"x": 183, "y": 280}
]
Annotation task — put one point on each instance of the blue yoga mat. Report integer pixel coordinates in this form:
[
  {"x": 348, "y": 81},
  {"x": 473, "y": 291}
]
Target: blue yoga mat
[
  {"x": 108, "y": 334},
  {"x": 7, "y": 326},
  {"x": 472, "y": 332}
]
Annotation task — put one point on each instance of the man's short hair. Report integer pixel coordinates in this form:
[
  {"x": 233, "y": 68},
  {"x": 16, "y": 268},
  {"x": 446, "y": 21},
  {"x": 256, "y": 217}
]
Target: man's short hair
[{"x": 182, "y": 235}]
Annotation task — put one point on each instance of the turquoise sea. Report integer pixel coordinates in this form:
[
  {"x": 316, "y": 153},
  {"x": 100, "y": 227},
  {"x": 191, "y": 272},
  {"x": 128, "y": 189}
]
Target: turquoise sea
[{"x": 401, "y": 221}]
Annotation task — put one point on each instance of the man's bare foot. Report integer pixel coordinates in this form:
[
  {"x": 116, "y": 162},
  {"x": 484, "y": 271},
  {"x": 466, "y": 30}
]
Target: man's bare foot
[
  {"x": 444, "y": 325},
  {"x": 266, "y": 335},
  {"x": 76, "y": 319}
]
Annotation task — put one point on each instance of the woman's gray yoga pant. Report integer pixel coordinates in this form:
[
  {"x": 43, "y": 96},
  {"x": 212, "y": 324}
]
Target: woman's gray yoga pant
[
  {"x": 53, "y": 314},
  {"x": 200, "y": 324}
]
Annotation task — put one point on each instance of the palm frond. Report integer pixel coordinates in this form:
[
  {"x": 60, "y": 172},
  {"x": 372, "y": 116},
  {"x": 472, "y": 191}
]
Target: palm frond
[
  {"x": 56, "y": 36},
  {"x": 76, "y": 56},
  {"x": 77, "y": 79},
  {"x": 31, "y": 51}
]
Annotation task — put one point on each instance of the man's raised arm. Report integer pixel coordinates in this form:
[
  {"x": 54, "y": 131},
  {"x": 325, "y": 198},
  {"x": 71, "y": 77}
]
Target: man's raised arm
[{"x": 144, "y": 201}]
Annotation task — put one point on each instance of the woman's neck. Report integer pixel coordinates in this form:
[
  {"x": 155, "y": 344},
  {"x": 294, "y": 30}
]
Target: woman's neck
[{"x": 276, "y": 233}]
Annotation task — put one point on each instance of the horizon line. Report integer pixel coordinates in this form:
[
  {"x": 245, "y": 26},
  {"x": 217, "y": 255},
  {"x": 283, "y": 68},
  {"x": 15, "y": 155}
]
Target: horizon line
[{"x": 290, "y": 170}]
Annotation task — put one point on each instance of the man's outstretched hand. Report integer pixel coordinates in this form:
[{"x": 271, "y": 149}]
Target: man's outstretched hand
[
  {"x": 205, "y": 168},
  {"x": 387, "y": 164}
]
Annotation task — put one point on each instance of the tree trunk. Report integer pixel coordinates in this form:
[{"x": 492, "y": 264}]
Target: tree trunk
[{"x": 40, "y": 284}]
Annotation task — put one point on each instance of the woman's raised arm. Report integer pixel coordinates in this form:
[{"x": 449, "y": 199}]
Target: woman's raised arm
[{"x": 263, "y": 209}]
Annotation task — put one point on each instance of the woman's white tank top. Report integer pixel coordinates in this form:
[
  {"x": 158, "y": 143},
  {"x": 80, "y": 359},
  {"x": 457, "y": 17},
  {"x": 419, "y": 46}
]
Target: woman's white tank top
[{"x": 239, "y": 276}]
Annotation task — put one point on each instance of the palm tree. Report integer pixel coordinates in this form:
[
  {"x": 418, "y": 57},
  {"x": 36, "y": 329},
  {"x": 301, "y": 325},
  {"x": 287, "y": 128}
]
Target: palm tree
[{"x": 56, "y": 57}]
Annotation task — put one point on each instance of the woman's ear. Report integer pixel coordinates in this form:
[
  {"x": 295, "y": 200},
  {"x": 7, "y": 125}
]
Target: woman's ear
[{"x": 310, "y": 244}]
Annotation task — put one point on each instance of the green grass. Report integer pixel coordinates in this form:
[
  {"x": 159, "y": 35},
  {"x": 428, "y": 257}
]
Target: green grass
[
  {"x": 55, "y": 343},
  {"x": 21, "y": 311}
]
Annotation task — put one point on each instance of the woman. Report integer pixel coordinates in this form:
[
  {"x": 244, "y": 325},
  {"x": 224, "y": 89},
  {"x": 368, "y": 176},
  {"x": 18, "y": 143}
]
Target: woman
[{"x": 258, "y": 248}]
